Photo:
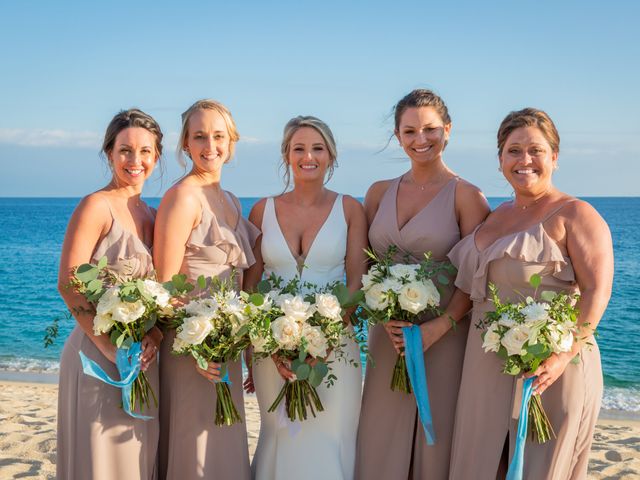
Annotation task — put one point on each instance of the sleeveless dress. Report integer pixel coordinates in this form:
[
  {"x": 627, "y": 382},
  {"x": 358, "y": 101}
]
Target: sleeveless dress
[
  {"x": 191, "y": 445},
  {"x": 96, "y": 439},
  {"x": 487, "y": 398},
  {"x": 323, "y": 447},
  {"x": 391, "y": 440}
]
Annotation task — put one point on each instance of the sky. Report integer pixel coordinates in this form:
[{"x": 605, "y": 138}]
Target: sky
[{"x": 67, "y": 67}]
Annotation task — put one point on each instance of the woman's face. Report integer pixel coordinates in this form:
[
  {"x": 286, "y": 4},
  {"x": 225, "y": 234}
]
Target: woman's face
[
  {"x": 208, "y": 140},
  {"x": 527, "y": 161},
  {"x": 309, "y": 156},
  {"x": 133, "y": 156},
  {"x": 422, "y": 134}
]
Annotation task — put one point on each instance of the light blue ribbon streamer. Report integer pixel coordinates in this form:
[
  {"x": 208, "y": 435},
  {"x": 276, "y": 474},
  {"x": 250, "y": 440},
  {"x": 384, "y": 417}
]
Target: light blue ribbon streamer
[
  {"x": 415, "y": 367},
  {"x": 516, "y": 466},
  {"x": 128, "y": 365}
]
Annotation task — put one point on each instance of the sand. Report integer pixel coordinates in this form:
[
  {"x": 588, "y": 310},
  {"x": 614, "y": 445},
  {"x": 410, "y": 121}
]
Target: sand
[{"x": 28, "y": 436}]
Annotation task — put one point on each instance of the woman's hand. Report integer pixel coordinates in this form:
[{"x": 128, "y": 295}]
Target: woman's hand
[
  {"x": 394, "y": 330},
  {"x": 150, "y": 346},
  {"x": 212, "y": 373},
  {"x": 550, "y": 370},
  {"x": 282, "y": 365}
]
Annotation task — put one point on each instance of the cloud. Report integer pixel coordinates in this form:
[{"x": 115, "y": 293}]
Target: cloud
[{"x": 49, "y": 138}]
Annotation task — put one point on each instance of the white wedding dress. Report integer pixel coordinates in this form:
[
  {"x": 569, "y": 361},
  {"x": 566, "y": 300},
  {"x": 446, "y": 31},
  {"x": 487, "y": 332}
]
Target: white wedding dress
[{"x": 322, "y": 447}]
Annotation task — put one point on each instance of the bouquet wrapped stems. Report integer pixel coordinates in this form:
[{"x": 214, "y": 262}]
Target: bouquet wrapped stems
[
  {"x": 226, "y": 411},
  {"x": 400, "y": 379},
  {"x": 541, "y": 429},
  {"x": 142, "y": 393},
  {"x": 298, "y": 395}
]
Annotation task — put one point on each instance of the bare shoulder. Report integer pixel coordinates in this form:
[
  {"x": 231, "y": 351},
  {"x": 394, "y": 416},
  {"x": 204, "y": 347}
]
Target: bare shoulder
[
  {"x": 182, "y": 194},
  {"x": 466, "y": 190},
  {"x": 257, "y": 212},
  {"x": 582, "y": 215},
  {"x": 377, "y": 190},
  {"x": 352, "y": 206},
  {"x": 94, "y": 205}
]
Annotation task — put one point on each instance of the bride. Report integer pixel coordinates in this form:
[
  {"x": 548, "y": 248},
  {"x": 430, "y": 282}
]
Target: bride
[{"x": 320, "y": 236}]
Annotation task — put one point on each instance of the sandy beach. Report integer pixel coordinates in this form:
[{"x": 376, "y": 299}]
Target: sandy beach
[{"x": 28, "y": 436}]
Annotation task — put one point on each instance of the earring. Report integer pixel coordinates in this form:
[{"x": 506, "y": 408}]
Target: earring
[
  {"x": 556, "y": 166},
  {"x": 499, "y": 169}
]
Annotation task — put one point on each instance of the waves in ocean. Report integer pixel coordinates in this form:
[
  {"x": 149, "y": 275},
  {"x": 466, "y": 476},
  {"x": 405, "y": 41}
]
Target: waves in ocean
[{"x": 33, "y": 229}]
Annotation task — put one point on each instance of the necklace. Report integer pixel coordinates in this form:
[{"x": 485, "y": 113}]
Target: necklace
[
  {"x": 535, "y": 202},
  {"x": 423, "y": 185}
]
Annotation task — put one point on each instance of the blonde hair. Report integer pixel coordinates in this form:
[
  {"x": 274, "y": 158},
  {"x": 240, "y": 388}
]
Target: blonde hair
[
  {"x": 318, "y": 125},
  {"x": 529, "y": 117},
  {"x": 207, "y": 104}
]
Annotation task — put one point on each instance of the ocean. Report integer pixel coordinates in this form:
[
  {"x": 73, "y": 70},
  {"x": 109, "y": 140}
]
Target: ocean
[{"x": 32, "y": 230}]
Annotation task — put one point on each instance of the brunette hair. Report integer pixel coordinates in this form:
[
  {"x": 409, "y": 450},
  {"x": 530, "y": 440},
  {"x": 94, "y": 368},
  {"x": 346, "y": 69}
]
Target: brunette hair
[
  {"x": 420, "y": 97},
  {"x": 131, "y": 118},
  {"x": 529, "y": 117}
]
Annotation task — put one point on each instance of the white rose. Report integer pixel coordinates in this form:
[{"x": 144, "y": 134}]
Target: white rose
[
  {"x": 514, "y": 339},
  {"x": 491, "y": 342},
  {"x": 102, "y": 323},
  {"x": 127, "y": 312},
  {"x": 316, "y": 341},
  {"x": 392, "y": 284},
  {"x": 179, "y": 344},
  {"x": 433, "y": 295},
  {"x": 367, "y": 280},
  {"x": 286, "y": 332},
  {"x": 535, "y": 312},
  {"x": 205, "y": 307},
  {"x": 194, "y": 330},
  {"x": 413, "y": 297},
  {"x": 296, "y": 308},
  {"x": 561, "y": 340},
  {"x": 402, "y": 271},
  {"x": 108, "y": 301},
  {"x": 157, "y": 291},
  {"x": 506, "y": 320},
  {"x": 376, "y": 297},
  {"x": 259, "y": 343},
  {"x": 328, "y": 306}
]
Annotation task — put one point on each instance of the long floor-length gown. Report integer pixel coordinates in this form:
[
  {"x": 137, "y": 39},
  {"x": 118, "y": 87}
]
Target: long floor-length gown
[
  {"x": 391, "y": 440},
  {"x": 191, "y": 445},
  {"x": 323, "y": 447},
  {"x": 96, "y": 439},
  {"x": 485, "y": 410}
]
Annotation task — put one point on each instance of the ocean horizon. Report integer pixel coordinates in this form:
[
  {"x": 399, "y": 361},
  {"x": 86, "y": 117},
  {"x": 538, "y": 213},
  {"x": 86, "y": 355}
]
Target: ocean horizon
[{"x": 32, "y": 232}]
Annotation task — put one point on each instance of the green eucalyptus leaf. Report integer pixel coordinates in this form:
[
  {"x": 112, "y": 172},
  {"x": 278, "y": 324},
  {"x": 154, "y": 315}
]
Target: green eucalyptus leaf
[
  {"x": 443, "y": 279},
  {"x": 256, "y": 299},
  {"x": 303, "y": 371},
  {"x": 322, "y": 369},
  {"x": 149, "y": 323},
  {"x": 548, "y": 295},
  {"x": 127, "y": 342},
  {"x": 102, "y": 263},
  {"x": 94, "y": 285},
  {"x": 295, "y": 364},
  {"x": 535, "y": 280},
  {"x": 120, "y": 339},
  {"x": 314, "y": 378},
  {"x": 302, "y": 355},
  {"x": 264, "y": 286},
  {"x": 114, "y": 336},
  {"x": 86, "y": 272},
  {"x": 202, "y": 282}
]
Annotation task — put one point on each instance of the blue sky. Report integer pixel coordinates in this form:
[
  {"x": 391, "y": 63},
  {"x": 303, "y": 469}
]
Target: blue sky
[{"x": 67, "y": 67}]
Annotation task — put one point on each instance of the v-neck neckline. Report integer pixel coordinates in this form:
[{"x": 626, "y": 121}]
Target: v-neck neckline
[
  {"x": 301, "y": 259},
  {"x": 114, "y": 220},
  {"x": 411, "y": 219}
]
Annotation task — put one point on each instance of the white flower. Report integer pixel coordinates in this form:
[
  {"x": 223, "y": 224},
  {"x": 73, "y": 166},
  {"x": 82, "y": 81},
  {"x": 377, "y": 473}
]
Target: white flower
[
  {"x": 491, "y": 341},
  {"x": 179, "y": 344},
  {"x": 259, "y": 343},
  {"x": 328, "y": 306},
  {"x": 194, "y": 330},
  {"x": 108, "y": 301},
  {"x": 506, "y": 320},
  {"x": 367, "y": 280},
  {"x": 102, "y": 323},
  {"x": 413, "y": 297},
  {"x": 267, "y": 303},
  {"x": 316, "y": 341},
  {"x": 157, "y": 291},
  {"x": 402, "y": 271},
  {"x": 392, "y": 284},
  {"x": 296, "y": 308},
  {"x": 561, "y": 340},
  {"x": 127, "y": 312},
  {"x": 286, "y": 332},
  {"x": 534, "y": 312},
  {"x": 514, "y": 339},
  {"x": 376, "y": 297},
  {"x": 206, "y": 307},
  {"x": 234, "y": 307}
]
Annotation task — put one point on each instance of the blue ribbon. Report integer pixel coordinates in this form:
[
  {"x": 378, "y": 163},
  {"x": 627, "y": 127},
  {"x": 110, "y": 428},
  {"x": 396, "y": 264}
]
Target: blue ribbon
[
  {"x": 415, "y": 367},
  {"x": 225, "y": 378},
  {"x": 517, "y": 462},
  {"x": 128, "y": 364}
]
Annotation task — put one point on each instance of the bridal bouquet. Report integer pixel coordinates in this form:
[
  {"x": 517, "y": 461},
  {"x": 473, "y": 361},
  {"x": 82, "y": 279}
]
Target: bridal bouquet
[
  {"x": 300, "y": 328},
  {"x": 525, "y": 334},
  {"x": 125, "y": 309},
  {"x": 401, "y": 291},
  {"x": 214, "y": 328}
]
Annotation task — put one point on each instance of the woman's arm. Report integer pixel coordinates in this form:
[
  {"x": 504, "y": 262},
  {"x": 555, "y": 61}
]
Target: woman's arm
[
  {"x": 90, "y": 221},
  {"x": 253, "y": 274},
  {"x": 590, "y": 248}
]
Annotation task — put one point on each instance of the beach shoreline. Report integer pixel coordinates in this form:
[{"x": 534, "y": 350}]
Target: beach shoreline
[{"x": 28, "y": 411}]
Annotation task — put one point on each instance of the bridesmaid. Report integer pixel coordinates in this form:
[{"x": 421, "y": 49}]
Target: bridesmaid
[
  {"x": 201, "y": 231},
  {"x": 429, "y": 208},
  {"x": 320, "y": 236},
  {"x": 96, "y": 439},
  {"x": 544, "y": 231}
]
